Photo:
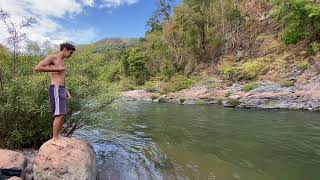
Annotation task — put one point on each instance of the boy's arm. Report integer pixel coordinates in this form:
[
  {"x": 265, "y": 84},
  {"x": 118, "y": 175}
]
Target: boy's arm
[{"x": 43, "y": 66}]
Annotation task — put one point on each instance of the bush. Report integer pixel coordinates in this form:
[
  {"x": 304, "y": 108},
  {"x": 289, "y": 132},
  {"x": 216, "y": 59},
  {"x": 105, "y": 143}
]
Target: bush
[
  {"x": 25, "y": 117},
  {"x": 230, "y": 72},
  {"x": 25, "y": 120},
  {"x": 247, "y": 71},
  {"x": 301, "y": 18},
  {"x": 250, "y": 86},
  {"x": 137, "y": 66},
  {"x": 112, "y": 73},
  {"x": 177, "y": 83},
  {"x": 314, "y": 48},
  {"x": 233, "y": 102},
  {"x": 152, "y": 86},
  {"x": 286, "y": 83},
  {"x": 228, "y": 94},
  {"x": 215, "y": 86},
  {"x": 250, "y": 70},
  {"x": 303, "y": 65}
]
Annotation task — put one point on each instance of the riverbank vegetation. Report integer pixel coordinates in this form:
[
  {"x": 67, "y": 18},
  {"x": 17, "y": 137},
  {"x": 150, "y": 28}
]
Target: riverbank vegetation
[{"x": 199, "y": 40}]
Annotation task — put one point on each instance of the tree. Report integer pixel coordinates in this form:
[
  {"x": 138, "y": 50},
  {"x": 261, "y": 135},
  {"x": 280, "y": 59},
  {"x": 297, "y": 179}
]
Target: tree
[
  {"x": 16, "y": 34},
  {"x": 162, "y": 13}
]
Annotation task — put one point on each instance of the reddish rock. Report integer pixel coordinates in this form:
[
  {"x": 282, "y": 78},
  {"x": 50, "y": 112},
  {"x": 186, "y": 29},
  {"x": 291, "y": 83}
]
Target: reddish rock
[
  {"x": 73, "y": 159},
  {"x": 12, "y": 163}
]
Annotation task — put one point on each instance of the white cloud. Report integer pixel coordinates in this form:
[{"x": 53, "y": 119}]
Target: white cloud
[
  {"x": 88, "y": 2},
  {"x": 48, "y": 11},
  {"x": 116, "y": 3}
]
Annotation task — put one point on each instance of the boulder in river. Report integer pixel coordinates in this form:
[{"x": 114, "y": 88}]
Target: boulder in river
[{"x": 73, "y": 159}]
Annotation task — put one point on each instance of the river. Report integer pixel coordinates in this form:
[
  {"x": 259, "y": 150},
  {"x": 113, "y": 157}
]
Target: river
[{"x": 141, "y": 140}]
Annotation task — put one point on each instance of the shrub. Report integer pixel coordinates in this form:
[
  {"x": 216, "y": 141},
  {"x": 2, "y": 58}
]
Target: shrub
[
  {"x": 231, "y": 72},
  {"x": 177, "y": 83},
  {"x": 228, "y": 94},
  {"x": 219, "y": 101},
  {"x": 250, "y": 70},
  {"x": 286, "y": 83},
  {"x": 314, "y": 48},
  {"x": 233, "y": 102},
  {"x": 250, "y": 86},
  {"x": 303, "y": 65},
  {"x": 152, "y": 86},
  {"x": 247, "y": 71},
  {"x": 301, "y": 18}
]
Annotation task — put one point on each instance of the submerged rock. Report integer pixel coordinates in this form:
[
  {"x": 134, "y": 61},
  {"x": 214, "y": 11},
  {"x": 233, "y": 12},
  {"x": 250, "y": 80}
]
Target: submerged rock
[{"x": 73, "y": 159}]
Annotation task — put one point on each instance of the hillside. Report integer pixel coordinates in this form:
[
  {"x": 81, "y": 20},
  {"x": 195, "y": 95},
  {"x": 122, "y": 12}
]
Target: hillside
[{"x": 108, "y": 44}]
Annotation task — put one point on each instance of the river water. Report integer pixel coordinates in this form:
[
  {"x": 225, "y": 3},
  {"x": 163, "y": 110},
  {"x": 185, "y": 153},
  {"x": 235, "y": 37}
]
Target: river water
[{"x": 141, "y": 140}]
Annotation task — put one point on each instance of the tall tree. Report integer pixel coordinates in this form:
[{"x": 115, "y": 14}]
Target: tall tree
[
  {"x": 162, "y": 13},
  {"x": 16, "y": 34}
]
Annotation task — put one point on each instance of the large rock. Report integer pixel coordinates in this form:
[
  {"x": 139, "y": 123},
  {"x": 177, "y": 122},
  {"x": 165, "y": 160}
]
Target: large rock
[
  {"x": 74, "y": 159},
  {"x": 11, "y": 164}
]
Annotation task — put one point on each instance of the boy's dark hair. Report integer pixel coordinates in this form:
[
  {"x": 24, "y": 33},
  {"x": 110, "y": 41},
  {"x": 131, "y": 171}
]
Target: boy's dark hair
[{"x": 68, "y": 46}]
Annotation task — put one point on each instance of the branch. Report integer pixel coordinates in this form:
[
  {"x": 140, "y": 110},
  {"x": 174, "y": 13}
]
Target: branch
[{"x": 4, "y": 15}]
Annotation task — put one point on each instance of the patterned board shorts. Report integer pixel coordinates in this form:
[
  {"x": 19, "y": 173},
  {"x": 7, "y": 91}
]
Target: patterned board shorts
[{"x": 58, "y": 100}]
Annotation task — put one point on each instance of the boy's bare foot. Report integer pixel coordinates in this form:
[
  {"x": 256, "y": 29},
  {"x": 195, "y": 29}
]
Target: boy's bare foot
[{"x": 58, "y": 142}]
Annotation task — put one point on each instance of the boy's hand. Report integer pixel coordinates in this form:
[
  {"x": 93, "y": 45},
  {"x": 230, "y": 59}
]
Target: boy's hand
[
  {"x": 68, "y": 95},
  {"x": 61, "y": 68}
]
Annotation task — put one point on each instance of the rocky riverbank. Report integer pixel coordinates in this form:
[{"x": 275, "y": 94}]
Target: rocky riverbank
[
  {"x": 73, "y": 159},
  {"x": 265, "y": 95}
]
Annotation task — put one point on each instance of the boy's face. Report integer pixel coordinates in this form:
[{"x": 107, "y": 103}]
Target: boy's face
[{"x": 67, "y": 53}]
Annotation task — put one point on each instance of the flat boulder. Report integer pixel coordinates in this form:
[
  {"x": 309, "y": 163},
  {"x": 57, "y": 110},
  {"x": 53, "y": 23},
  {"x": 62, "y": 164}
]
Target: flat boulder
[
  {"x": 71, "y": 159},
  {"x": 12, "y": 164}
]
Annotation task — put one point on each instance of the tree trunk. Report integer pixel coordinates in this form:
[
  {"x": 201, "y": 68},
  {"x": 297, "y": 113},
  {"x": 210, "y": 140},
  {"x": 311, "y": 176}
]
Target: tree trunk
[{"x": 222, "y": 19}]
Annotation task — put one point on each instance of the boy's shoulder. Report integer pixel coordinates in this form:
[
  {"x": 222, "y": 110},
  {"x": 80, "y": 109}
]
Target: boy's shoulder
[{"x": 52, "y": 56}]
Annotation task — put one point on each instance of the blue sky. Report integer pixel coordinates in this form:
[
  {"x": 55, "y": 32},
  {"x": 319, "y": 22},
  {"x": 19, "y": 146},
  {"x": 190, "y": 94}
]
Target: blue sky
[{"x": 81, "y": 21}]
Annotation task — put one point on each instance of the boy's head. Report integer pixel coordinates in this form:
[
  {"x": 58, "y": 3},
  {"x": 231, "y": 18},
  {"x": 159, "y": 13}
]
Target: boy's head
[{"x": 67, "y": 49}]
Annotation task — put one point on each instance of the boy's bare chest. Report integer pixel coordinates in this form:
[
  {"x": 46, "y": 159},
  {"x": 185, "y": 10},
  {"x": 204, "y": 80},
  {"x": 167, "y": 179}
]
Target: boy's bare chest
[{"x": 57, "y": 63}]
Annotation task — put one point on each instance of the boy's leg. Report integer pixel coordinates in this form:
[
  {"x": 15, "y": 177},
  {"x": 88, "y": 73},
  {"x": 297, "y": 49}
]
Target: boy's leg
[
  {"x": 58, "y": 120},
  {"x": 61, "y": 127}
]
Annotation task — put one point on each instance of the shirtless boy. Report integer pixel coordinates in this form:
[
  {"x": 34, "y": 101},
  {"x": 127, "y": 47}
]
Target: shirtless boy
[{"x": 58, "y": 94}]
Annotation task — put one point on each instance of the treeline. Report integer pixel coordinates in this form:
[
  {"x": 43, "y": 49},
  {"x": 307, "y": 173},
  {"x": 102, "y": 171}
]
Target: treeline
[{"x": 195, "y": 34}]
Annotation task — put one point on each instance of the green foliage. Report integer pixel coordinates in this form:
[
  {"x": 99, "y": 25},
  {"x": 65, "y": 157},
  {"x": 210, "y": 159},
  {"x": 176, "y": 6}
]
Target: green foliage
[
  {"x": 215, "y": 86},
  {"x": 248, "y": 71},
  {"x": 25, "y": 117},
  {"x": 314, "y": 48},
  {"x": 113, "y": 72},
  {"x": 152, "y": 86},
  {"x": 228, "y": 94},
  {"x": 233, "y": 102},
  {"x": 251, "y": 70},
  {"x": 303, "y": 65},
  {"x": 177, "y": 83},
  {"x": 136, "y": 65},
  {"x": 230, "y": 72},
  {"x": 250, "y": 86},
  {"x": 235, "y": 17},
  {"x": 301, "y": 19},
  {"x": 286, "y": 83}
]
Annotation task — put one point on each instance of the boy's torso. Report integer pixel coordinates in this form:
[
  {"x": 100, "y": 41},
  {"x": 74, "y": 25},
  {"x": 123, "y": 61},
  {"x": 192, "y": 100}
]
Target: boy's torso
[{"x": 57, "y": 78}]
